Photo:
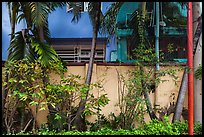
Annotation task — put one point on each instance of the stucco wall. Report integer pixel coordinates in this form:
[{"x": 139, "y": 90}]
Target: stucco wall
[{"x": 167, "y": 91}]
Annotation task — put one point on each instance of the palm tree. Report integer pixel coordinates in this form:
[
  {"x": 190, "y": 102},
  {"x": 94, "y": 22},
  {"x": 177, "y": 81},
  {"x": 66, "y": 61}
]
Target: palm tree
[
  {"x": 35, "y": 14},
  {"x": 95, "y": 13},
  {"x": 107, "y": 25},
  {"x": 30, "y": 43}
]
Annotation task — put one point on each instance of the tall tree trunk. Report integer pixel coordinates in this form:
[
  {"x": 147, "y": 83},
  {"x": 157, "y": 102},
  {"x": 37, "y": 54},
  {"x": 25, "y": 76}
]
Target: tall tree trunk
[
  {"x": 79, "y": 120},
  {"x": 197, "y": 61},
  {"x": 181, "y": 97},
  {"x": 41, "y": 33},
  {"x": 144, "y": 9}
]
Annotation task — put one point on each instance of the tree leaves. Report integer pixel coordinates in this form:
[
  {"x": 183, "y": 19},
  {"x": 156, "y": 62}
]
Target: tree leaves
[
  {"x": 45, "y": 52},
  {"x": 39, "y": 12},
  {"x": 18, "y": 49}
]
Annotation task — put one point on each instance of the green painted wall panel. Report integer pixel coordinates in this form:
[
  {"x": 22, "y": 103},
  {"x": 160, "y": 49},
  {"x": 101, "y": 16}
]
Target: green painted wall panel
[
  {"x": 127, "y": 7},
  {"x": 123, "y": 31}
]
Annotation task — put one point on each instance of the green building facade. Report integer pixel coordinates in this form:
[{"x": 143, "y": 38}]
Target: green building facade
[{"x": 173, "y": 22}]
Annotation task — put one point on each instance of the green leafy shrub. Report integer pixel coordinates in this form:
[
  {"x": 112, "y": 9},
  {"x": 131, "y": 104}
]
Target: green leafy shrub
[
  {"x": 25, "y": 89},
  {"x": 154, "y": 127},
  {"x": 64, "y": 97},
  {"x": 183, "y": 127},
  {"x": 198, "y": 128}
]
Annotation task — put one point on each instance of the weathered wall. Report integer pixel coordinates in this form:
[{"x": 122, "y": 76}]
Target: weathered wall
[{"x": 168, "y": 91}]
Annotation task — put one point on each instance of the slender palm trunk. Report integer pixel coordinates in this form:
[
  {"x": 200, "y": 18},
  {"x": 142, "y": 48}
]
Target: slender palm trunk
[
  {"x": 197, "y": 60},
  {"x": 79, "y": 121},
  {"x": 181, "y": 97},
  {"x": 144, "y": 9}
]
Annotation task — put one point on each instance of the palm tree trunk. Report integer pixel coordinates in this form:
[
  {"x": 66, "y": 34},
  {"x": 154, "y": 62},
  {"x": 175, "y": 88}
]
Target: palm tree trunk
[
  {"x": 181, "y": 97},
  {"x": 144, "y": 9},
  {"x": 197, "y": 19},
  {"x": 41, "y": 34},
  {"x": 79, "y": 121}
]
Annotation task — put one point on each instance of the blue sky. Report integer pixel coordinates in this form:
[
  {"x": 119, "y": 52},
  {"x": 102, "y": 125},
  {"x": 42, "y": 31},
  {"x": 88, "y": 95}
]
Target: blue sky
[{"x": 60, "y": 26}]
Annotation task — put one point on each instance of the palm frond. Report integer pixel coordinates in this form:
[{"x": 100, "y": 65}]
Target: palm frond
[
  {"x": 25, "y": 14},
  {"x": 39, "y": 12},
  {"x": 76, "y": 11},
  {"x": 92, "y": 8},
  {"x": 108, "y": 22},
  {"x": 45, "y": 52},
  {"x": 19, "y": 49},
  {"x": 46, "y": 31}
]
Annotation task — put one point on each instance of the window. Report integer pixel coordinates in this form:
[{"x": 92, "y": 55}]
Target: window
[{"x": 79, "y": 49}]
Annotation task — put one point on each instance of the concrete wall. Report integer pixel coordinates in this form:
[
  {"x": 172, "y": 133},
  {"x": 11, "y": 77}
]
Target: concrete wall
[{"x": 167, "y": 91}]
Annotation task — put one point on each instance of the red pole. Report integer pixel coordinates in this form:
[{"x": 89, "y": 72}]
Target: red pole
[{"x": 190, "y": 65}]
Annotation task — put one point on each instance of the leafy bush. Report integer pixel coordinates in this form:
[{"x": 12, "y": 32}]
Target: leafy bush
[
  {"x": 183, "y": 127},
  {"x": 154, "y": 127},
  {"x": 64, "y": 97},
  {"x": 198, "y": 128},
  {"x": 27, "y": 87}
]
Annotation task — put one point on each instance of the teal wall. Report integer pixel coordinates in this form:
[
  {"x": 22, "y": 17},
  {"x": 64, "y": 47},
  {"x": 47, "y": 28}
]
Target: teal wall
[
  {"x": 122, "y": 30},
  {"x": 127, "y": 7}
]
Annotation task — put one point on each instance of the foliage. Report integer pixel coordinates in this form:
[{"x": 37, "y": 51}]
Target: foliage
[
  {"x": 30, "y": 42},
  {"x": 198, "y": 128},
  {"x": 25, "y": 89},
  {"x": 130, "y": 102},
  {"x": 108, "y": 22},
  {"x": 31, "y": 49},
  {"x": 183, "y": 127},
  {"x": 140, "y": 82},
  {"x": 64, "y": 98},
  {"x": 133, "y": 92},
  {"x": 154, "y": 127},
  {"x": 100, "y": 123},
  {"x": 94, "y": 11}
]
